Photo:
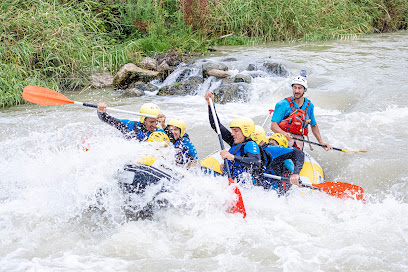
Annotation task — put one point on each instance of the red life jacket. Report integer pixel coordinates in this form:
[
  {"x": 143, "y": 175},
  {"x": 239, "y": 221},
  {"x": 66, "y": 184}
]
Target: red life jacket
[{"x": 297, "y": 121}]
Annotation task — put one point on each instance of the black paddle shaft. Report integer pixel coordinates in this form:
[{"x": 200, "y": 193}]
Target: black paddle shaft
[{"x": 306, "y": 141}]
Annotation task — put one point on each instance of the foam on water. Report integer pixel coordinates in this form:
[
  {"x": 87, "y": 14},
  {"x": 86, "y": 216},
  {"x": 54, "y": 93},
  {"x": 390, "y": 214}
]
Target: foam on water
[{"x": 48, "y": 182}]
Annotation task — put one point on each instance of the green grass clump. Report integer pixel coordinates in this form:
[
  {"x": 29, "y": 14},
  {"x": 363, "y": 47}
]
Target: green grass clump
[{"x": 59, "y": 43}]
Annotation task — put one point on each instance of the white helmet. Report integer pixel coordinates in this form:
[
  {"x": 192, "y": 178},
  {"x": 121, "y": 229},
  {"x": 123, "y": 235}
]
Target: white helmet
[{"x": 300, "y": 80}]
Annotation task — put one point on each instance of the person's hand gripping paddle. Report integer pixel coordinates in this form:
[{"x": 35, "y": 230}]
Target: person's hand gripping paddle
[{"x": 238, "y": 206}]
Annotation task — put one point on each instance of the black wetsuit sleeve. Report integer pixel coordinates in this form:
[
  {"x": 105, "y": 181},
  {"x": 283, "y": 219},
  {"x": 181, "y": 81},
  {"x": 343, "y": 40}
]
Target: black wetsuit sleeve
[
  {"x": 106, "y": 118},
  {"x": 253, "y": 161},
  {"x": 295, "y": 155},
  {"x": 225, "y": 133}
]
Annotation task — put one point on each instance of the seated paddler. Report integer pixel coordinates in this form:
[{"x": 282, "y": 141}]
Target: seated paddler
[
  {"x": 138, "y": 130},
  {"x": 186, "y": 153},
  {"x": 277, "y": 158},
  {"x": 244, "y": 158}
]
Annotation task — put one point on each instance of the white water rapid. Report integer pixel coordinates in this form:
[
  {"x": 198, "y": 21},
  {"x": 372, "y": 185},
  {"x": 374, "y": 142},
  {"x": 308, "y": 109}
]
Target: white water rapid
[{"x": 358, "y": 87}]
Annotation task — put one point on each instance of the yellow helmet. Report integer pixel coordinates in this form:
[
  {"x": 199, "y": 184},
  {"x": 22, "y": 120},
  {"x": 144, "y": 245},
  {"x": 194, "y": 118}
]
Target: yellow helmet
[
  {"x": 258, "y": 135},
  {"x": 178, "y": 123},
  {"x": 159, "y": 136},
  {"x": 280, "y": 139},
  {"x": 149, "y": 108},
  {"x": 246, "y": 125}
]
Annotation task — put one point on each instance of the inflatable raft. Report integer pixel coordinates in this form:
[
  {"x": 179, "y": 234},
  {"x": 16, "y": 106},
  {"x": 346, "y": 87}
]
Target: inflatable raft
[{"x": 311, "y": 172}]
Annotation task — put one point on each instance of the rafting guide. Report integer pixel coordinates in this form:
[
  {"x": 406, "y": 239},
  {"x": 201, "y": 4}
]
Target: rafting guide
[{"x": 293, "y": 115}]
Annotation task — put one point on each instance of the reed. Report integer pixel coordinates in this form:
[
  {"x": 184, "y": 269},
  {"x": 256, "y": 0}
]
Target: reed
[{"x": 59, "y": 43}]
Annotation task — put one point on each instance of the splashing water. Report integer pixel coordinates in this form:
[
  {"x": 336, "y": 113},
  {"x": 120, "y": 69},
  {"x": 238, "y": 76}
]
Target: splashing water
[{"x": 49, "y": 182}]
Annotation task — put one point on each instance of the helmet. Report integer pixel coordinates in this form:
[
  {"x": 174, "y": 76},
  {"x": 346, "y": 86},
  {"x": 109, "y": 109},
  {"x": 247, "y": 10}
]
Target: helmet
[
  {"x": 300, "y": 80},
  {"x": 280, "y": 139},
  {"x": 258, "y": 135},
  {"x": 178, "y": 123},
  {"x": 158, "y": 136},
  {"x": 246, "y": 125},
  {"x": 149, "y": 108}
]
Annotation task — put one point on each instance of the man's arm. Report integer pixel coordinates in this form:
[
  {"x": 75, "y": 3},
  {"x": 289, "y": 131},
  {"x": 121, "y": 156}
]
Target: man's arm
[
  {"x": 225, "y": 133},
  {"x": 316, "y": 133}
]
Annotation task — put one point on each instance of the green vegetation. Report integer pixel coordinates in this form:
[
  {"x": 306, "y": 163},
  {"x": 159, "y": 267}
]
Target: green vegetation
[{"x": 59, "y": 43}]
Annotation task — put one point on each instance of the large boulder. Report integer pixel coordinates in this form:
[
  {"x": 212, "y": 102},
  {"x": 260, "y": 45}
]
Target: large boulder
[
  {"x": 213, "y": 65},
  {"x": 130, "y": 73},
  {"x": 188, "y": 87},
  {"x": 218, "y": 73},
  {"x": 242, "y": 78},
  {"x": 164, "y": 69},
  {"x": 276, "y": 69},
  {"x": 148, "y": 63},
  {"x": 171, "y": 57},
  {"x": 139, "y": 89},
  {"x": 234, "y": 92},
  {"x": 184, "y": 74},
  {"x": 101, "y": 80},
  {"x": 132, "y": 92}
]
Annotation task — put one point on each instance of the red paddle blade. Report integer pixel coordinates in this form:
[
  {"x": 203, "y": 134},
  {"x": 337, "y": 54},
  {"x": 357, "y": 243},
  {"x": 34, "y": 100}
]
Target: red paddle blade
[
  {"x": 341, "y": 189},
  {"x": 44, "y": 96},
  {"x": 239, "y": 205}
]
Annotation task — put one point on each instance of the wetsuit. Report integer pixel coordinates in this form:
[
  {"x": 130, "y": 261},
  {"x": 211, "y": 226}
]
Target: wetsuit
[
  {"x": 275, "y": 157},
  {"x": 247, "y": 155},
  {"x": 185, "y": 150},
  {"x": 131, "y": 129}
]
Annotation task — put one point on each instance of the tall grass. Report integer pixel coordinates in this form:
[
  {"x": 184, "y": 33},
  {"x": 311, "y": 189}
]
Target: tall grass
[
  {"x": 307, "y": 20},
  {"x": 59, "y": 43}
]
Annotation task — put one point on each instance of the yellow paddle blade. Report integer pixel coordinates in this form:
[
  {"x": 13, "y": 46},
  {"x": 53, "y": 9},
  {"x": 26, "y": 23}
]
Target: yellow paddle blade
[
  {"x": 148, "y": 160},
  {"x": 354, "y": 151},
  {"x": 212, "y": 164}
]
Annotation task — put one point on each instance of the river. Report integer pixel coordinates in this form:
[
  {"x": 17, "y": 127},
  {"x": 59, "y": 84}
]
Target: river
[{"x": 48, "y": 181}]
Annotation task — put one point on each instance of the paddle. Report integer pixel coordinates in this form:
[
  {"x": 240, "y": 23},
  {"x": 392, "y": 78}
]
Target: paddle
[
  {"x": 239, "y": 205},
  {"x": 267, "y": 117},
  {"x": 338, "y": 149},
  {"x": 337, "y": 189},
  {"x": 47, "y": 97}
]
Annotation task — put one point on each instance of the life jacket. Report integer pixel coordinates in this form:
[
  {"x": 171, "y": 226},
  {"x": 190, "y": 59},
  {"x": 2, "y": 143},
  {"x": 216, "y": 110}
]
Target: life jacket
[
  {"x": 237, "y": 168},
  {"x": 281, "y": 187},
  {"x": 142, "y": 134},
  {"x": 297, "y": 121}
]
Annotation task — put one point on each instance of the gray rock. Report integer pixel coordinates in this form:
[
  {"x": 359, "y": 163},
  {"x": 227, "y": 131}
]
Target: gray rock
[
  {"x": 242, "y": 78},
  {"x": 145, "y": 87},
  {"x": 148, "y": 63},
  {"x": 132, "y": 92},
  {"x": 188, "y": 87},
  {"x": 218, "y": 73},
  {"x": 276, "y": 69},
  {"x": 230, "y": 59},
  {"x": 251, "y": 67},
  {"x": 235, "y": 92},
  {"x": 101, "y": 80},
  {"x": 171, "y": 57},
  {"x": 184, "y": 75},
  {"x": 131, "y": 73},
  {"x": 213, "y": 65},
  {"x": 164, "y": 69}
]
